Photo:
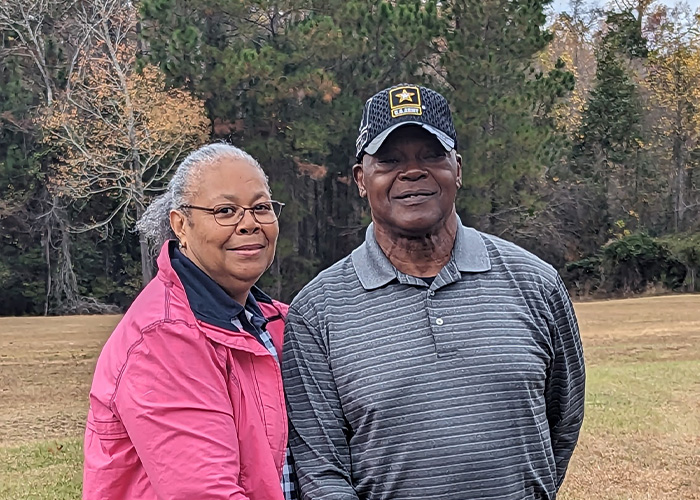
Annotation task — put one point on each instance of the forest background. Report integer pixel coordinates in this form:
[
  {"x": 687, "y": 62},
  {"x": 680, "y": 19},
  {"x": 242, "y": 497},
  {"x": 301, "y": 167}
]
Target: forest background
[{"x": 580, "y": 131}]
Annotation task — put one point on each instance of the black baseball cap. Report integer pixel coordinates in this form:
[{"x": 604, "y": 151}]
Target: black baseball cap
[{"x": 404, "y": 104}]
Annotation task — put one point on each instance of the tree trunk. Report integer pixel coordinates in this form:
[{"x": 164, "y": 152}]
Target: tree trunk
[
  {"x": 277, "y": 274},
  {"x": 47, "y": 255},
  {"x": 679, "y": 165},
  {"x": 62, "y": 283},
  {"x": 147, "y": 271}
]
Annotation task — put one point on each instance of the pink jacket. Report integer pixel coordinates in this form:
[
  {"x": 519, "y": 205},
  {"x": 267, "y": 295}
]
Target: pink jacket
[{"x": 180, "y": 409}]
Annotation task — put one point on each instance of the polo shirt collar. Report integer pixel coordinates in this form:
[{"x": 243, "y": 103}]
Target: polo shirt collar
[
  {"x": 470, "y": 253},
  {"x": 374, "y": 269}
]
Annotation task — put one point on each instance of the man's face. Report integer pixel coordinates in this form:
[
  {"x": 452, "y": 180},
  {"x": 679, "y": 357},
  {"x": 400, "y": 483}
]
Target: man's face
[{"x": 411, "y": 182}]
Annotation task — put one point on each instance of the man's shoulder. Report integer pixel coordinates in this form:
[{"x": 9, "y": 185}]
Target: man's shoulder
[
  {"x": 335, "y": 280},
  {"x": 516, "y": 259}
]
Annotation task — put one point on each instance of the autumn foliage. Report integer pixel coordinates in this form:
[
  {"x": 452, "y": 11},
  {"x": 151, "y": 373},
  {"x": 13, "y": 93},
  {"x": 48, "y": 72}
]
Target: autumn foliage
[{"x": 117, "y": 130}]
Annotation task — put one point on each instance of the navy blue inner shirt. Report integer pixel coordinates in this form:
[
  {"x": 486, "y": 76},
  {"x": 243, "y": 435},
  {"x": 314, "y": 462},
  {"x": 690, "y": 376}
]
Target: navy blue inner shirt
[{"x": 211, "y": 304}]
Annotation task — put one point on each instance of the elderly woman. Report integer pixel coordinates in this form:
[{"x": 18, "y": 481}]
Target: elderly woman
[{"x": 187, "y": 400}]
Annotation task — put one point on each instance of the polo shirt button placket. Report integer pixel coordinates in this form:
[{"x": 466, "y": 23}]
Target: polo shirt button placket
[{"x": 439, "y": 330}]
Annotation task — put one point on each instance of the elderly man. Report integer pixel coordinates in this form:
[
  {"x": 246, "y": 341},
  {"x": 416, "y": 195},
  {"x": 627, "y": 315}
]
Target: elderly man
[{"x": 434, "y": 362}]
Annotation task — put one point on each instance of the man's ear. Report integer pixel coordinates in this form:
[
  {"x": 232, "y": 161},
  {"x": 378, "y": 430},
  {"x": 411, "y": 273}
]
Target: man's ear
[
  {"x": 459, "y": 170},
  {"x": 178, "y": 223},
  {"x": 359, "y": 175}
]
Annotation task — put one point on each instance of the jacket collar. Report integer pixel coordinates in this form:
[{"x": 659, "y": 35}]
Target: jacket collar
[
  {"x": 207, "y": 300},
  {"x": 374, "y": 269}
]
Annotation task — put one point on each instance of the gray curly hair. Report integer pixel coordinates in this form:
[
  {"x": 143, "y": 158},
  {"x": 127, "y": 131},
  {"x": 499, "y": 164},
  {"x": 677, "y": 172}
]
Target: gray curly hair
[{"x": 154, "y": 224}]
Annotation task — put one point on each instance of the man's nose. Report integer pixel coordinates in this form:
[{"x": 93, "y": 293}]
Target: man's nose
[{"x": 412, "y": 171}]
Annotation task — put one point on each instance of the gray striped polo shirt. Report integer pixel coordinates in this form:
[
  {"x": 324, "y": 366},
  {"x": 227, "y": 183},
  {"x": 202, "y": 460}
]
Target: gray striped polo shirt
[{"x": 469, "y": 388}]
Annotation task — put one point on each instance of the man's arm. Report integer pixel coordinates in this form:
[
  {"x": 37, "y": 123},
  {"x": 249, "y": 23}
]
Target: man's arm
[
  {"x": 318, "y": 430},
  {"x": 565, "y": 387}
]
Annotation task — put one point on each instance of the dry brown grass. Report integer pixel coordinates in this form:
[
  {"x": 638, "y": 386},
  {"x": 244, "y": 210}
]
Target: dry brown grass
[
  {"x": 46, "y": 366},
  {"x": 641, "y": 437}
]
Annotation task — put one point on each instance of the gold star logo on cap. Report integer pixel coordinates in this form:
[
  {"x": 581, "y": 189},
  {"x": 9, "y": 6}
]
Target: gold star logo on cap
[
  {"x": 405, "y": 101},
  {"x": 405, "y": 96}
]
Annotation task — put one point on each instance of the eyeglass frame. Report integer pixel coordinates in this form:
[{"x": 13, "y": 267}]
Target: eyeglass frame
[{"x": 212, "y": 211}]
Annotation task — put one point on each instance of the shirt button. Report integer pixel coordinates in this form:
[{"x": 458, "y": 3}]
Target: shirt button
[
  {"x": 431, "y": 293},
  {"x": 439, "y": 321}
]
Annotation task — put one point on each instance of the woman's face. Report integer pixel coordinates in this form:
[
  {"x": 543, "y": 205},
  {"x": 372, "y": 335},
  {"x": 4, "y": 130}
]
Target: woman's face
[{"x": 233, "y": 256}]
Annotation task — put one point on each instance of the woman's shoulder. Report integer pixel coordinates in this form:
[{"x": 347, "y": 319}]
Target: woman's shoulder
[
  {"x": 281, "y": 307},
  {"x": 271, "y": 308},
  {"x": 274, "y": 310},
  {"x": 158, "y": 306}
]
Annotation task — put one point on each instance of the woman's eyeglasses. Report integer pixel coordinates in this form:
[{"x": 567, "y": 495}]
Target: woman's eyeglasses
[{"x": 228, "y": 214}]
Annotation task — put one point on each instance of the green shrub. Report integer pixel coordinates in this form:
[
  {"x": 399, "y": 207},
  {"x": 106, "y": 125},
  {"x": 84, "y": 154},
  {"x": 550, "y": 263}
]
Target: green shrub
[
  {"x": 685, "y": 248},
  {"x": 635, "y": 263},
  {"x": 583, "y": 276}
]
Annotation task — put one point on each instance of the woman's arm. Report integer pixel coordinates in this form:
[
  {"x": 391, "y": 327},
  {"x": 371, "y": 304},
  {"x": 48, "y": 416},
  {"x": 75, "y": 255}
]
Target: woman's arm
[{"x": 172, "y": 397}]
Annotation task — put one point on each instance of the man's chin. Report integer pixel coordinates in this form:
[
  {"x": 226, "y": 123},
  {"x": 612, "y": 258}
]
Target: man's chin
[{"x": 418, "y": 229}]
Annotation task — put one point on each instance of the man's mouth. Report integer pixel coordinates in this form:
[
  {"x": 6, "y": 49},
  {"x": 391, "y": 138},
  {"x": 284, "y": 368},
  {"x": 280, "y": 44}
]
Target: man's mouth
[{"x": 414, "y": 195}]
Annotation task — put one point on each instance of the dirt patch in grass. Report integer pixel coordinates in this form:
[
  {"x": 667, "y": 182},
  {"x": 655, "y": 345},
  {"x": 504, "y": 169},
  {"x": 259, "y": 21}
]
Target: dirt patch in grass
[
  {"x": 644, "y": 329},
  {"x": 636, "y": 466},
  {"x": 615, "y": 320},
  {"x": 46, "y": 367}
]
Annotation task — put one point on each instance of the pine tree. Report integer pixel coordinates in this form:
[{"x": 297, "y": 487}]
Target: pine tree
[
  {"x": 22, "y": 268},
  {"x": 610, "y": 152},
  {"x": 287, "y": 81},
  {"x": 503, "y": 105}
]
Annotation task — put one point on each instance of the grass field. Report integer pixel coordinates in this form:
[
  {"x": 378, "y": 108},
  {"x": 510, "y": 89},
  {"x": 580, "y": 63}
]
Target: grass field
[{"x": 641, "y": 437}]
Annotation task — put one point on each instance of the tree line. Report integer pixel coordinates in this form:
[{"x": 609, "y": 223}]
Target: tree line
[{"x": 578, "y": 130}]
